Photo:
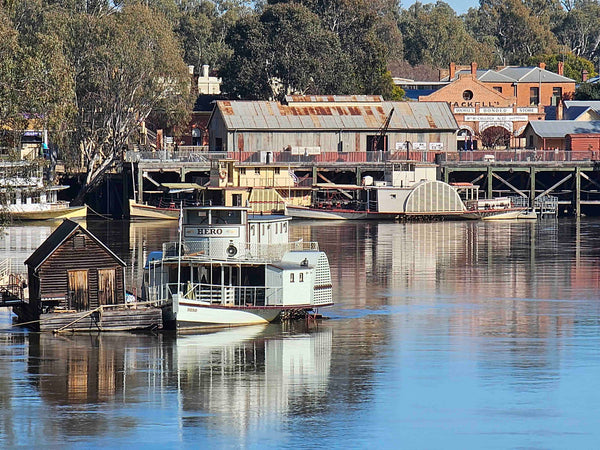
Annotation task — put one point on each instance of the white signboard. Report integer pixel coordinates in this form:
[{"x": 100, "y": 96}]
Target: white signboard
[
  {"x": 459, "y": 110},
  {"x": 419, "y": 145},
  {"x": 528, "y": 110},
  {"x": 436, "y": 146},
  {"x": 400, "y": 145},
  {"x": 226, "y": 232},
  {"x": 496, "y": 118},
  {"x": 495, "y": 110}
]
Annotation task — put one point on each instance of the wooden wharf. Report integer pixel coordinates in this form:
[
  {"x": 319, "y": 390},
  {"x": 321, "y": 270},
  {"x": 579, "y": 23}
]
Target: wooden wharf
[{"x": 572, "y": 177}]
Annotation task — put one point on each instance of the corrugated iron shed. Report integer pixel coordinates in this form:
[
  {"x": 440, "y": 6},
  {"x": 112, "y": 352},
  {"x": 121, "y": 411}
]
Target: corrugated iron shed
[{"x": 265, "y": 115}]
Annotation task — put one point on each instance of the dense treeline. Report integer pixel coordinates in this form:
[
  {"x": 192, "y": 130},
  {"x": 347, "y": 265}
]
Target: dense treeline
[{"x": 92, "y": 70}]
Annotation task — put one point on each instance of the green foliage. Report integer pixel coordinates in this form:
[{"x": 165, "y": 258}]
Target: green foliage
[
  {"x": 573, "y": 65},
  {"x": 588, "y": 91},
  {"x": 433, "y": 34}
]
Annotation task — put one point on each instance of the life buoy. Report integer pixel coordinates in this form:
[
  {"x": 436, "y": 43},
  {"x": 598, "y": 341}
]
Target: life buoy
[{"x": 222, "y": 174}]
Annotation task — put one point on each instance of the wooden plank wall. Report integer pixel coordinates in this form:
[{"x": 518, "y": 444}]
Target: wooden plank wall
[{"x": 79, "y": 252}]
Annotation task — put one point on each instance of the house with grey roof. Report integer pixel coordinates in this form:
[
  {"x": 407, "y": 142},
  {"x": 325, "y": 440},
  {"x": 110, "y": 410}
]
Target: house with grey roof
[{"x": 553, "y": 134}]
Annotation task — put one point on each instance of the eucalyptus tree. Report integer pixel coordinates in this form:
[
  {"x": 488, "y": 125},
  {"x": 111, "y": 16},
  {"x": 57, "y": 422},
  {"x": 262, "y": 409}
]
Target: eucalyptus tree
[
  {"x": 580, "y": 29},
  {"x": 284, "y": 50},
  {"x": 433, "y": 34},
  {"x": 516, "y": 32},
  {"x": 125, "y": 65}
]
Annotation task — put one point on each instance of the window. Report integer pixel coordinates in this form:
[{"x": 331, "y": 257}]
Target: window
[
  {"x": 468, "y": 95},
  {"x": 277, "y": 170},
  {"x": 242, "y": 171},
  {"x": 534, "y": 96},
  {"x": 257, "y": 171},
  {"x": 498, "y": 89},
  {"x": 556, "y": 95},
  {"x": 292, "y": 277},
  {"x": 301, "y": 277}
]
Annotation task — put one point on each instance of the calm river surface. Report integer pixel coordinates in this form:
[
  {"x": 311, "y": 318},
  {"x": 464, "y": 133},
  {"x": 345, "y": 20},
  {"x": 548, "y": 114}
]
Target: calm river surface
[{"x": 444, "y": 335}]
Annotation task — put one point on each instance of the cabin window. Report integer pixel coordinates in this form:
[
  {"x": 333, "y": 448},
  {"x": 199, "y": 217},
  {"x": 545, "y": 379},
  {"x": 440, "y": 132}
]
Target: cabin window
[
  {"x": 285, "y": 227},
  {"x": 242, "y": 171},
  {"x": 79, "y": 242},
  {"x": 291, "y": 277},
  {"x": 277, "y": 170},
  {"x": 257, "y": 171},
  {"x": 253, "y": 230},
  {"x": 534, "y": 96},
  {"x": 301, "y": 277},
  {"x": 263, "y": 230}
]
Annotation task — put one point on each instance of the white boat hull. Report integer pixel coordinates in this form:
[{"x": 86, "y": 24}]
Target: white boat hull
[
  {"x": 139, "y": 211},
  {"x": 194, "y": 314},
  {"x": 512, "y": 215},
  {"x": 48, "y": 212}
]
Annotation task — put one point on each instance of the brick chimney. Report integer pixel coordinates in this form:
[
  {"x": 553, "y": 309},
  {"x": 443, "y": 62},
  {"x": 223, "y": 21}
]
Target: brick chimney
[
  {"x": 474, "y": 69},
  {"x": 542, "y": 65},
  {"x": 452, "y": 72},
  {"x": 561, "y": 68},
  {"x": 584, "y": 75}
]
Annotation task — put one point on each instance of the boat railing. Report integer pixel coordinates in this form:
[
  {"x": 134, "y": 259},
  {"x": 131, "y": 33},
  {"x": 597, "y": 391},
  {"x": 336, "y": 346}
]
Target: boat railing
[
  {"x": 217, "y": 294},
  {"x": 213, "y": 249}
]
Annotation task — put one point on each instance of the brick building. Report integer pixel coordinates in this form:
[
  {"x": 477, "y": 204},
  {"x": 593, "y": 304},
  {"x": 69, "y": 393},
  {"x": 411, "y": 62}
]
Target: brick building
[{"x": 492, "y": 107}]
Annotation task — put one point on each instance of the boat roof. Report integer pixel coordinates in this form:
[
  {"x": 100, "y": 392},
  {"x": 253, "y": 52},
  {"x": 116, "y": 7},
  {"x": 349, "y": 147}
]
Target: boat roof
[{"x": 267, "y": 217}]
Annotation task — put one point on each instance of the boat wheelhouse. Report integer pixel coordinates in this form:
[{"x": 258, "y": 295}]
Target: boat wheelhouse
[{"x": 234, "y": 268}]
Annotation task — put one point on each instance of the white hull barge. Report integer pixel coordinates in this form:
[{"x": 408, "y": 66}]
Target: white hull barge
[{"x": 232, "y": 268}]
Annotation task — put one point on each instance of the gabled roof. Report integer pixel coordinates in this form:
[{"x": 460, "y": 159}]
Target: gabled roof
[
  {"x": 575, "y": 108},
  {"x": 331, "y": 115},
  {"x": 533, "y": 75},
  {"x": 560, "y": 128},
  {"x": 64, "y": 231}
]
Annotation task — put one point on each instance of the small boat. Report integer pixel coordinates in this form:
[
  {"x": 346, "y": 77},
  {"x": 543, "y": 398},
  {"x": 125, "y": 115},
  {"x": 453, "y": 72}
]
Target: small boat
[
  {"x": 523, "y": 214},
  {"x": 143, "y": 211},
  {"x": 40, "y": 203},
  {"x": 234, "y": 268}
]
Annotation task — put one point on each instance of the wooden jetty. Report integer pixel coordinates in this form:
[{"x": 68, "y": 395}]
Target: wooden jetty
[{"x": 76, "y": 283}]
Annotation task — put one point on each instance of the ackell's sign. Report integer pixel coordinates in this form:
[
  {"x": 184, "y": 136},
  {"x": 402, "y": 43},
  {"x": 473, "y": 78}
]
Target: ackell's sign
[{"x": 228, "y": 232}]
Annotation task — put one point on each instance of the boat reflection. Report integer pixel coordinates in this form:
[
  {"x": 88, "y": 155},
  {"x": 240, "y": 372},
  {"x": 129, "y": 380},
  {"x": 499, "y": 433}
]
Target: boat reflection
[{"x": 248, "y": 373}]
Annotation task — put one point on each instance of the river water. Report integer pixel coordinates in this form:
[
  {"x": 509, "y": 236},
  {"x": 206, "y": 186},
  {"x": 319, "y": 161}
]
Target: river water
[{"x": 443, "y": 335}]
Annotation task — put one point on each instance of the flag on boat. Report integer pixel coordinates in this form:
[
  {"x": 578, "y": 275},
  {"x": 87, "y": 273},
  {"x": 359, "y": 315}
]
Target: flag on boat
[{"x": 293, "y": 176}]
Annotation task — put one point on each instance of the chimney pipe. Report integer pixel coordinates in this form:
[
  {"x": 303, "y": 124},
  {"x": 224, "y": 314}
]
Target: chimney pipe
[
  {"x": 205, "y": 71},
  {"x": 584, "y": 75},
  {"x": 474, "y": 69},
  {"x": 561, "y": 68},
  {"x": 452, "y": 72}
]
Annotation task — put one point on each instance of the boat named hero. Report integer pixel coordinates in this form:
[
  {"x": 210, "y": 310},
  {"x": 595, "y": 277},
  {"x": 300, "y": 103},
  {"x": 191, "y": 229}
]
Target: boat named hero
[{"x": 209, "y": 231}]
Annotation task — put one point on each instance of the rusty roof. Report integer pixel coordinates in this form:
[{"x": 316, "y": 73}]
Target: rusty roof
[{"x": 265, "y": 115}]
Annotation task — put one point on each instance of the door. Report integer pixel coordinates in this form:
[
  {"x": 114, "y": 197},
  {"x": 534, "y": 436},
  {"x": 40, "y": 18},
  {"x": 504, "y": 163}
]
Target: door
[
  {"x": 106, "y": 287},
  {"x": 78, "y": 289}
]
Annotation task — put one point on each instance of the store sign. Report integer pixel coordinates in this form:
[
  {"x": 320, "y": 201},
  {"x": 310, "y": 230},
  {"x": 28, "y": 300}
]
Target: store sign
[
  {"x": 496, "y": 118},
  {"x": 495, "y": 110},
  {"x": 528, "y": 110},
  {"x": 436, "y": 146},
  {"x": 419, "y": 145},
  {"x": 464, "y": 110}
]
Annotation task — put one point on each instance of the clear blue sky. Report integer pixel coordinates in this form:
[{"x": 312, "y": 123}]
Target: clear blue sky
[{"x": 460, "y": 6}]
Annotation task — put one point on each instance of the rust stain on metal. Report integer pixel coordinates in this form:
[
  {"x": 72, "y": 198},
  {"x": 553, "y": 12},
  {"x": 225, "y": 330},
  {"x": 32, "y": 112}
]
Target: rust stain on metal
[
  {"x": 431, "y": 122},
  {"x": 226, "y": 108},
  {"x": 354, "y": 111}
]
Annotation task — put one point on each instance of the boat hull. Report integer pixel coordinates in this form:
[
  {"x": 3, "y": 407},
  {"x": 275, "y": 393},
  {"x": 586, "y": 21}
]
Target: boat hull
[
  {"x": 303, "y": 212},
  {"x": 72, "y": 212},
  {"x": 138, "y": 211},
  {"x": 512, "y": 215},
  {"x": 190, "y": 314}
]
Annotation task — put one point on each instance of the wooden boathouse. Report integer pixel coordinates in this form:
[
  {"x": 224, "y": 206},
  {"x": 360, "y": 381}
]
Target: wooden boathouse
[{"x": 77, "y": 283}]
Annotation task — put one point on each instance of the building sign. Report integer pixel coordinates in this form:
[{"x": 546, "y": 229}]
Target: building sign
[
  {"x": 528, "y": 110},
  {"x": 419, "y": 145},
  {"x": 458, "y": 110},
  {"x": 436, "y": 146},
  {"x": 495, "y": 110},
  {"x": 226, "y": 232},
  {"x": 496, "y": 118},
  {"x": 400, "y": 145}
]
